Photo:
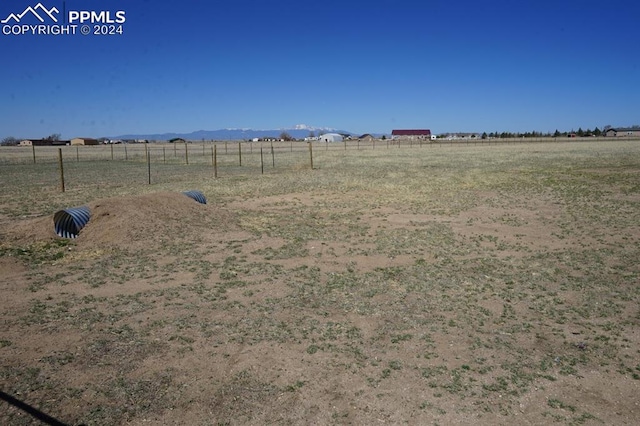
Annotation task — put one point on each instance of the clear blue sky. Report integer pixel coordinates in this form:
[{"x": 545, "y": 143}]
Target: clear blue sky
[{"x": 366, "y": 67}]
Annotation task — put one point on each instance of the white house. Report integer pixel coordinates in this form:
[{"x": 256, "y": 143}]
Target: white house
[{"x": 331, "y": 137}]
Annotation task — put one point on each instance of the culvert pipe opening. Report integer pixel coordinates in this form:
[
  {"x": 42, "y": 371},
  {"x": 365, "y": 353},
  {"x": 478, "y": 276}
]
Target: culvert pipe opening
[
  {"x": 69, "y": 222},
  {"x": 196, "y": 195}
]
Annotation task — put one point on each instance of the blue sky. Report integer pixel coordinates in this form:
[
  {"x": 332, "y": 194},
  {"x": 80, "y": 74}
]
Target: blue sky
[{"x": 446, "y": 65}]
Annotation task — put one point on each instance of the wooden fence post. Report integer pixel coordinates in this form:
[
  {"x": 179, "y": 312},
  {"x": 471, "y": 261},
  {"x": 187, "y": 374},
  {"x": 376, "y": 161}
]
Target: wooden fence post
[
  {"x": 148, "y": 162},
  {"x": 61, "y": 167},
  {"x": 215, "y": 162}
]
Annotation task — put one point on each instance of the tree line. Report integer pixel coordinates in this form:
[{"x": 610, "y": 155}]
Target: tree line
[
  {"x": 534, "y": 134},
  {"x": 557, "y": 134}
]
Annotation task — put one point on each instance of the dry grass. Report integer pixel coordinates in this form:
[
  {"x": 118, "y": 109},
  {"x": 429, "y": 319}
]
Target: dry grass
[{"x": 421, "y": 285}]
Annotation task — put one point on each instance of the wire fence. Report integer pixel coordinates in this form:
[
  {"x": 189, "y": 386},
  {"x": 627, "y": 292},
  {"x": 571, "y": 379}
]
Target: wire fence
[
  {"x": 230, "y": 152},
  {"x": 166, "y": 162}
]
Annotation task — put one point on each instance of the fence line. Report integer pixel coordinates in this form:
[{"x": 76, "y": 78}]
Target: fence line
[
  {"x": 233, "y": 157},
  {"x": 143, "y": 164}
]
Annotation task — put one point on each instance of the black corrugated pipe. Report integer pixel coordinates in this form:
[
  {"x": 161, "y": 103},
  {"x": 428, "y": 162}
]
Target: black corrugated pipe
[
  {"x": 196, "y": 195},
  {"x": 69, "y": 222}
]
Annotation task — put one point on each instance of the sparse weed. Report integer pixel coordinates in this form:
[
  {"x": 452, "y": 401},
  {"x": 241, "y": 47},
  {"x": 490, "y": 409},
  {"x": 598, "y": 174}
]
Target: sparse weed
[{"x": 475, "y": 275}]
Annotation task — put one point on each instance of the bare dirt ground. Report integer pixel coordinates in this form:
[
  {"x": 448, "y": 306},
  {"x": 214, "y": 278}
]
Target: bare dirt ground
[{"x": 325, "y": 307}]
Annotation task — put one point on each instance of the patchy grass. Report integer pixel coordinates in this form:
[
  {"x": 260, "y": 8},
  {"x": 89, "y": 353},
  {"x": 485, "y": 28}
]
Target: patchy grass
[{"x": 425, "y": 284}]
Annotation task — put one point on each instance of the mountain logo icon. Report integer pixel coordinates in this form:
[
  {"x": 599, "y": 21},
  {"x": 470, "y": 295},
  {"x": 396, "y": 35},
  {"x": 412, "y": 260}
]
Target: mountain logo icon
[{"x": 38, "y": 11}]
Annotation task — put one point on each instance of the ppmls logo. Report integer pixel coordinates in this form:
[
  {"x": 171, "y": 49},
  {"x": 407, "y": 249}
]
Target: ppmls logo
[
  {"x": 34, "y": 11},
  {"x": 85, "y": 22}
]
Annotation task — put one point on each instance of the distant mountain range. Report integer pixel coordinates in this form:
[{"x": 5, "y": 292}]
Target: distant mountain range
[{"x": 299, "y": 131}]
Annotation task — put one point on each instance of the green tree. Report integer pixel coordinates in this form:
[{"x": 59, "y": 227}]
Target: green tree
[
  {"x": 556, "y": 133},
  {"x": 580, "y": 132},
  {"x": 597, "y": 132},
  {"x": 484, "y": 135}
]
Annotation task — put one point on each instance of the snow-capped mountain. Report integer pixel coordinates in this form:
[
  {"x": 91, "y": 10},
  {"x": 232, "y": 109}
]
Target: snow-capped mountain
[
  {"x": 298, "y": 131},
  {"x": 312, "y": 129}
]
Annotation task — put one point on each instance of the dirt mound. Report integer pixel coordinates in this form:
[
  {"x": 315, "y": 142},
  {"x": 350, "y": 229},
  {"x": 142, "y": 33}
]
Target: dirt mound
[
  {"x": 29, "y": 231},
  {"x": 141, "y": 221}
]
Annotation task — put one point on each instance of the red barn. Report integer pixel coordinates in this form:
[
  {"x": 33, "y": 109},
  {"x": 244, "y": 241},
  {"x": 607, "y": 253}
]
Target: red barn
[{"x": 411, "y": 134}]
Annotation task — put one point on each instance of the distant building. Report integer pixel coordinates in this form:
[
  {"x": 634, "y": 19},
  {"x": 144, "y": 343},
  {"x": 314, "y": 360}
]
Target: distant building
[
  {"x": 366, "y": 137},
  {"x": 622, "y": 132},
  {"x": 43, "y": 142},
  {"x": 460, "y": 136},
  {"x": 84, "y": 141},
  {"x": 331, "y": 137},
  {"x": 411, "y": 134}
]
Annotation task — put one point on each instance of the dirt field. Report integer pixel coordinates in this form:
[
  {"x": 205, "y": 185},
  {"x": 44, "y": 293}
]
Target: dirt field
[{"x": 491, "y": 285}]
